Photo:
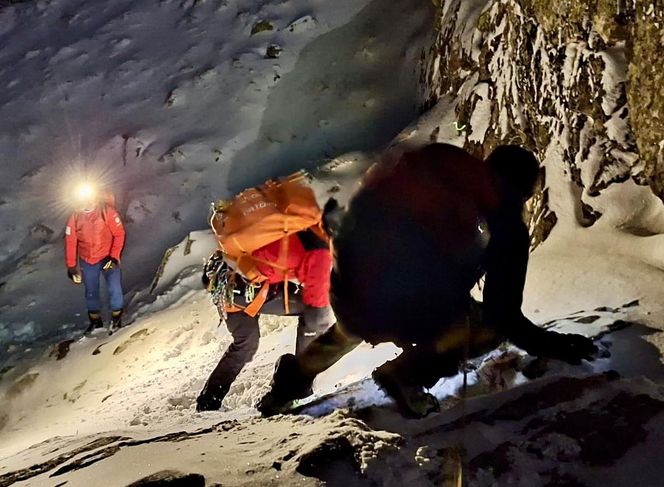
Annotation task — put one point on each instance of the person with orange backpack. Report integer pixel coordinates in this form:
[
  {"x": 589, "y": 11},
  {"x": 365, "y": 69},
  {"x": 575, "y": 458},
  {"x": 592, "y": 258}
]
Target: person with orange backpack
[
  {"x": 94, "y": 238},
  {"x": 274, "y": 259}
]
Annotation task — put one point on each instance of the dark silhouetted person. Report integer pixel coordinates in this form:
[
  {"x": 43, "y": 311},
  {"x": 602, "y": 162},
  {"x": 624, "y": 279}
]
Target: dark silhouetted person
[{"x": 414, "y": 241}]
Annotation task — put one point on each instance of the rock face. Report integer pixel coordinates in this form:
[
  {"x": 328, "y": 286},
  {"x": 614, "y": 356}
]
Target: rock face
[
  {"x": 578, "y": 81},
  {"x": 171, "y": 478},
  {"x": 285, "y": 450},
  {"x": 645, "y": 94}
]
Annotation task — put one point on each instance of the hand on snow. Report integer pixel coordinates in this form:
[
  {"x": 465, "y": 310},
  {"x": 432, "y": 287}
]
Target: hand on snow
[
  {"x": 110, "y": 263},
  {"x": 74, "y": 275},
  {"x": 570, "y": 348}
]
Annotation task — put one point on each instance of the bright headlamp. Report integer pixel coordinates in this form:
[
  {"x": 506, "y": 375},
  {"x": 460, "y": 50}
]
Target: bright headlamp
[{"x": 85, "y": 192}]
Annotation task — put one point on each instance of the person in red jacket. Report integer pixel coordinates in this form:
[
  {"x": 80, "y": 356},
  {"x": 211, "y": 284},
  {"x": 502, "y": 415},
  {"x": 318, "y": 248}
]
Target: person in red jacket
[
  {"x": 94, "y": 238},
  {"x": 308, "y": 264}
]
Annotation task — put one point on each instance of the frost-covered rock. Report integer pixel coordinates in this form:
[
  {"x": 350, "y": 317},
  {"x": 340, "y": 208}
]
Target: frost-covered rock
[
  {"x": 584, "y": 431},
  {"x": 172, "y": 478},
  {"x": 273, "y": 51},
  {"x": 261, "y": 26},
  {"x": 575, "y": 82},
  {"x": 302, "y": 24}
]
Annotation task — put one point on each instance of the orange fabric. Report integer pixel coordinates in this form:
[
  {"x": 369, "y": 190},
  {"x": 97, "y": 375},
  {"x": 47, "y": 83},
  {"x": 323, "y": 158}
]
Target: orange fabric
[
  {"x": 283, "y": 257},
  {"x": 258, "y": 232},
  {"x": 93, "y": 235},
  {"x": 262, "y": 215},
  {"x": 255, "y": 306}
]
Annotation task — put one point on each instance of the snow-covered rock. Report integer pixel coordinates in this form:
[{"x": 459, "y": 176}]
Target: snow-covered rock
[{"x": 575, "y": 83}]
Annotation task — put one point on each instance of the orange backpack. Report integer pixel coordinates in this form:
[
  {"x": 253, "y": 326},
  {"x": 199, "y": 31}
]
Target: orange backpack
[{"x": 260, "y": 216}]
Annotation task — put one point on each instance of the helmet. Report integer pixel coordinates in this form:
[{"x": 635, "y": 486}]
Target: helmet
[{"x": 517, "y": 169}]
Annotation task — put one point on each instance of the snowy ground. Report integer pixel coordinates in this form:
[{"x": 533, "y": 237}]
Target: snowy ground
[
  {"x": 120, "y": 409},
  {"x": 110, "y": 401}
]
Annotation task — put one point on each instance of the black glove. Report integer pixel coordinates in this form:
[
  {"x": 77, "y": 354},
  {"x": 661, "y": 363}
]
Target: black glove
[
  {"x": 568, "y": 347},
  {"x": 74, "y": 275},
  {"x": 110, "y": 263}
]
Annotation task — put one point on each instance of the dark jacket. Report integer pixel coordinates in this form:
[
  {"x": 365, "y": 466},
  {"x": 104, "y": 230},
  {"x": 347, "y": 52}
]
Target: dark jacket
[{"x": 414, "y": 242}]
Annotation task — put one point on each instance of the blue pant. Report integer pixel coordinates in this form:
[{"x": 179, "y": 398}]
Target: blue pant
[{"x": 91, "y": 274}]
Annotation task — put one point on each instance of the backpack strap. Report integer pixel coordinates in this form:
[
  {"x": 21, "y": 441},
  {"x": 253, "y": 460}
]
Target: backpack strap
[
  {"x": 257, "y": 303},
  {"x": 283, "y": 261},
  {"x": 255, "y": 306},
  {"x": 246, "y": 267}
]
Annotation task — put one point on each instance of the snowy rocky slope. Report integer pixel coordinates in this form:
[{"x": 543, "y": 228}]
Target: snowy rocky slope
[
  {"x": 121, "y": 409},
  {"x": 578, "y": 426},
  {"x": 174, "y": 103},
  {"x": 557, "y": 432},
  {"x": 572, "y": 84}
]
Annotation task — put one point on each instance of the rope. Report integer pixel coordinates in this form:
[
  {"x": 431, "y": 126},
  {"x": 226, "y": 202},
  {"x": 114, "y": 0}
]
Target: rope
[
  {"x": 222, "y": 282},
  {"x": 458, "y": 456},
  {"x": 464, "y": 393},
  {"x": 464, "y": 389}
]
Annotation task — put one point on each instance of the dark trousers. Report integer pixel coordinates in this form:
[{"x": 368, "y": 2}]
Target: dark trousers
[
  {"x": 246, "y": 334},
  {"x": 419, "y": 365}
]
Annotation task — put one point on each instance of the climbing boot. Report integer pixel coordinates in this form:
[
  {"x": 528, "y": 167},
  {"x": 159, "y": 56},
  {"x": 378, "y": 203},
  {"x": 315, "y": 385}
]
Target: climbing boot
[
  {"x": 116, "y": 321},
  {"x": 413, "y": 401},
  {"x": 209, "y": 400},
  {"x": 288, "y": 384},
  {"x": 95, "y": 322}
]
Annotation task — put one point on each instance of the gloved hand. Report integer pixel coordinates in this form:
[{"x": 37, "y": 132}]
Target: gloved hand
[
  {"x": 110, "y": 263},
  {"x": 568, "y": 347},
  {"x": 74, "y": 275}
]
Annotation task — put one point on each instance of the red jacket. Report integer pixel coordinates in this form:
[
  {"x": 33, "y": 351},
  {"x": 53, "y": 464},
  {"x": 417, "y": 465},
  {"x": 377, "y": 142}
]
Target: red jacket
[
  {"x": 310, "y": 267},
  {"x": 93, "y": 235}
]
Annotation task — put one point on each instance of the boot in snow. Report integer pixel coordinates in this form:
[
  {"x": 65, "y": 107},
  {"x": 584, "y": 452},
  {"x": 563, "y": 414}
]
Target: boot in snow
[
  {"x": 95, "y": 322},
  {"x": 412, "y": 401},
  {"x": 288, "y": 384},
  {"x": 116, "y": 321},
  {"x": 211, "y": 401}
]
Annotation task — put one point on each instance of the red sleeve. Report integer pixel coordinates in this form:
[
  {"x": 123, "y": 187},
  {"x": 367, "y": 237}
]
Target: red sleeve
[
  {"x": 117, "y": 230},
  {"x": 71, "y": 242},
  {"x": 315, "y": 278}
]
